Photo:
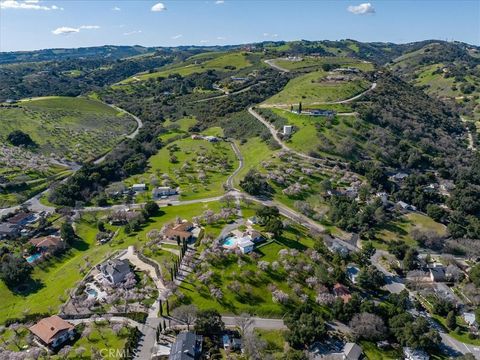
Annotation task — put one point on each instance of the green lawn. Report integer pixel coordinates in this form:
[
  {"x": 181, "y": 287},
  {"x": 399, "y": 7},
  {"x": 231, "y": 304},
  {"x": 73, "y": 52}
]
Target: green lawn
[
  {"x": 401, "y": 228},
  {"x": 313, "y": 87},
  {"x": 54, "y": 278},
  {"x": 372, "y": 352},
  {"x": 254, "y": 151},
  {"x": 194, "y": 159}
]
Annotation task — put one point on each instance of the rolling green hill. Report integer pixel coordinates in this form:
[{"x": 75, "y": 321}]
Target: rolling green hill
[{"x": 62, "y": 128}]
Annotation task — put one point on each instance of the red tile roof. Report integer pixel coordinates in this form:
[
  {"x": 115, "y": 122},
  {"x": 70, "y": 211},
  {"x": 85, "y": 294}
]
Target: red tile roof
[{"x": 46, "y": 329}]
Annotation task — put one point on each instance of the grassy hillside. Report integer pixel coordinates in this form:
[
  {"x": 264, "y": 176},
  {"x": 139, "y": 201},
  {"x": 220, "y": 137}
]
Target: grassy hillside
[
  {"x": 315, "y": 63},
  {"x": 316, "y": 87},
  {"x": 200, "y": 63},
  {"x": 72, "y": 128},
  {"x": 449, "y": 71}
]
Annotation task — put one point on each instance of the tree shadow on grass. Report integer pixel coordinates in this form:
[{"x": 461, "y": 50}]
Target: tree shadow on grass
[
  {"x": 292, "y": 244},
  {"x": 395, "y": 227},
  {"x": 31, "y": 286},
  {"x": 79, "y": 244}
]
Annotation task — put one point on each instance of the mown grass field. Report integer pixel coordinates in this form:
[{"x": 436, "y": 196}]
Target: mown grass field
[
  {"x": 401, "y": 228},
  {"x": 315, "y": 63},
  {"x": 314, "y": 88},
  {"x": 197, "y": 64},
  {"x": 77, "y": 129},
  {"x": 52, "y": 280},
  {"x": 200, "y": 170}
]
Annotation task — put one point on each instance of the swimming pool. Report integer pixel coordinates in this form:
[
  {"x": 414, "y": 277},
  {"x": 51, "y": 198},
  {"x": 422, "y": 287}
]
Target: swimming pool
[
  {"x": 92, "y": 292},
  {"x": 230, "y": 241},
  {"x": 33, "y": 258}
]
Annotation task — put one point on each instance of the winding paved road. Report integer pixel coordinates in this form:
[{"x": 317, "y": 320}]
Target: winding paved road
[{"x": 271, "y": 63}]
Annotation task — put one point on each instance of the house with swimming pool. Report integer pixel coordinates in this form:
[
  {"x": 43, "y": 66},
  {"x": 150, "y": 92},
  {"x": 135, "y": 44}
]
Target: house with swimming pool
[
  {"x": 45, "y": 245},
  {"x": 242, "y": 240}
]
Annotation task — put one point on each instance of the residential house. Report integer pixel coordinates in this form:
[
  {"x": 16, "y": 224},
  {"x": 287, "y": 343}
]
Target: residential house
[
  {"x": 415, "y": 354},
  {"x": 320, "y": 112},
  {"x": 187, "y": 346},
  {"x": 403, "y": 206},
  {"x": 211, "y": 138},
  {"x": 437, "y": 273},
  {"x": 53, "y": 331},
  {"x": 163, "y": 191},
  {"x": 180, "y": 232},
  {"x": 115, "y": 271},
  {"x": 470, "y": 319},
  {"x": 138, "y": 187},
  {"x": 352, "y": 351},
  {"x": 9, "y": 231},
  {"x": 22, "y": 218},
  {"x": 287, "y": 129},
  {"x": 245, "y": 245},
  {"x": 197, "y": 137},
  {"x": 50, "y": 244},
  {"x": 341, "y": 291},
  {"x": 231, "y": 343},
  {"x": 252, "y": 220},
  {"x": 352, "y": 273},
  {"x": 398, "y": 177}
]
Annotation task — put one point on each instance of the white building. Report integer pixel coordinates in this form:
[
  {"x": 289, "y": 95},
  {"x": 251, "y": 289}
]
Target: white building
[
  {"x": 287, "y": 129},
  {"x": 139, "y": 187},
  {"x": 163, "y": 191},
  {"x": 245, "y": 245}
]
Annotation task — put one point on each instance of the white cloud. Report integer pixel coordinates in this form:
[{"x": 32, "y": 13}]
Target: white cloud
[
  {"x": 65, "y": 30},
  {"x": 159, "y": 7},
  {"x": 270, "y": 35},
  {"x": 132, "y": 32},
  {"x": 89, "y": 27},
  {"x": 365, "y": 8},
  {"x": 116, "y": 8},
  {"x": 26, "y": 5},
  {"x": 204, "y": 41},
  {"x": 177, "y": 36},
  {"x": 221, "y": 38},
  {"x": 219, "y": 2}
]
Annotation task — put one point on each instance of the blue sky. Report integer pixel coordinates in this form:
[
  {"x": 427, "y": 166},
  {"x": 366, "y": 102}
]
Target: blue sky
[{"x": 38, "y": 24}]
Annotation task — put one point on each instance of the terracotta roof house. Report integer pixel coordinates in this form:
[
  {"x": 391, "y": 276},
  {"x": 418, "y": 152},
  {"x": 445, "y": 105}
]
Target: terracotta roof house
[
  {"x": 180, "y": 231},
  {"x": 49, "y": 243},
  {"x": 115, "y": 271},
  {"x": 53, "y": 331},
  {"x": 342, "y": 291}
]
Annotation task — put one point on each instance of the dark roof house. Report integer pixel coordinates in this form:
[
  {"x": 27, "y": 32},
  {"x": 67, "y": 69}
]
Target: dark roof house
[
  {"x": 8, "y": 230},
  {"x": 187, "y": 346},
  {"x": 115, "y": 271}
]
